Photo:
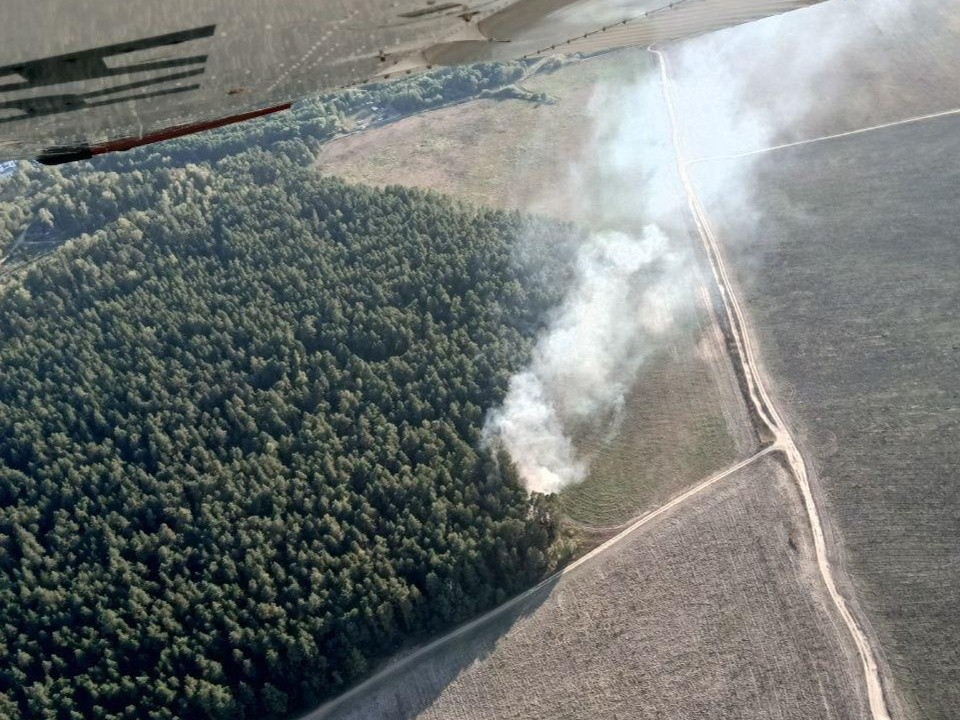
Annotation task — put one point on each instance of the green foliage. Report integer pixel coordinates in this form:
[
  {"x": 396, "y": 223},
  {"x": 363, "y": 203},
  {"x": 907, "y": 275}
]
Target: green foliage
[
  {"x": 240, "y": 453},
  {"x": 445, "y": 85}
]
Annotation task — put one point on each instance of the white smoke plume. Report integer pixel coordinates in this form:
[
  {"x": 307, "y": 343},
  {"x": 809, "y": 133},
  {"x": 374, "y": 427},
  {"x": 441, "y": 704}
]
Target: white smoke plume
[
  {"x": 749, "y": 87},
  {"x": 631, "y": 284},
  {"x": 585, "y": 362},
  {"x": 829, "y": 68}
]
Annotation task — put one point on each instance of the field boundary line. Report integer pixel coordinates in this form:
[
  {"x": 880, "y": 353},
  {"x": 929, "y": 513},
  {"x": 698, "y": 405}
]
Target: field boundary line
[
  {"x": 834, "y": 136},
  {"x": 510, "y": 604},
  {"x": 761, "y": 399}
]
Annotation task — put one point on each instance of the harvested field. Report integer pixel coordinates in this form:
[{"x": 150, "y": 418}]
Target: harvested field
[
  {"x": 683, "y": 420},
  {"x": 852, "y": 281},
  {"x": 712, "y": 610},
  {"x": 500, "y": 153}
]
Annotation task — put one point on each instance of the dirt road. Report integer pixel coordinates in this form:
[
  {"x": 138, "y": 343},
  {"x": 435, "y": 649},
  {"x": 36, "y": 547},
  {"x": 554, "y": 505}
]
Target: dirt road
[
  {"x": 325, "y": 709},
  {"x": 762, "y": 402}
]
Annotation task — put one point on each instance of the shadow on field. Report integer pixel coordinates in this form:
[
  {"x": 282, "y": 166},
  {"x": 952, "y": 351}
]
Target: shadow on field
[{"x": 406, "y": 690}]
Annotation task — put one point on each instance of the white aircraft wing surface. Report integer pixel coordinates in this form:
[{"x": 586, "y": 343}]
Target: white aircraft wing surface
[{"x": 79, "y": 79}]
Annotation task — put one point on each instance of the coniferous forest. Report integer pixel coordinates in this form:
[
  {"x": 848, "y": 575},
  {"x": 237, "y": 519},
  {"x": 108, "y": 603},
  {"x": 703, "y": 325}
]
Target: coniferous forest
[{"x": 240, "y": 432}]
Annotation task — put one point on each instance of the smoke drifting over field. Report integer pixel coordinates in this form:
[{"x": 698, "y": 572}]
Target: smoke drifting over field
[
  {"x": 805, "y": 74},
  {"x": 630, "y": 284},
  {"x": 746, "y": 88},
  {"x": 585, "y": 362}
]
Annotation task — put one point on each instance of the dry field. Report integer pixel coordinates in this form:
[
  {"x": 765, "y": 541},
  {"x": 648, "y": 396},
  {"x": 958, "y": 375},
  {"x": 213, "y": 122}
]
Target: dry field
[
  {"x": 500, "y": 153},
  {"x": 685, "y": 417},
  {"x": 683, "y": 420},
  {"x": 712, "y": 610},
  {"x": 854, "y": 293},
  {"x": 829, "y": 68},
  {"x": 849, "y": 265}
]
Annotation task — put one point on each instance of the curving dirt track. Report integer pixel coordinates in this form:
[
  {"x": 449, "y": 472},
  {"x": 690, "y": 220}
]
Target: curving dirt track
[{"x": 760, "y": 398}]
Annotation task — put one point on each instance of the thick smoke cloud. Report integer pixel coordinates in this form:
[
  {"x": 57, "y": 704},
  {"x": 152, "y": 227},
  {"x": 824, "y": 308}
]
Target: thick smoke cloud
[
  {"x": 586, "y": 361},
  {"x": 750, "y": 87},
  {"x": 631, "y": 283}
]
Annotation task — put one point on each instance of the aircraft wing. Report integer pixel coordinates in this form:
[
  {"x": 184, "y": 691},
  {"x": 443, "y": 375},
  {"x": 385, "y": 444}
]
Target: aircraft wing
[{"x": 82, "y": 78}]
